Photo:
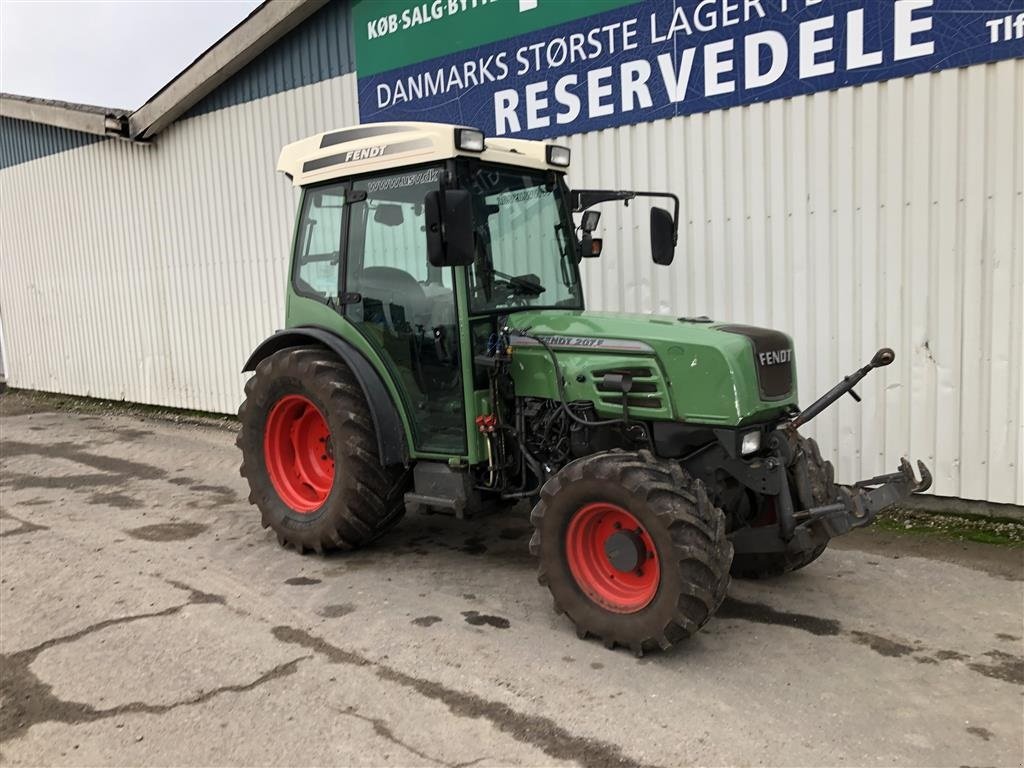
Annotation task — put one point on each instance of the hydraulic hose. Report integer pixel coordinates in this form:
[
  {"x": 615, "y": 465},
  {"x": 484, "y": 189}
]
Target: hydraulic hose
[{"x": 560, "y": 384}]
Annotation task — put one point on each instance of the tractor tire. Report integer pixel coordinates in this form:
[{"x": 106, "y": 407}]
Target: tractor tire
[
  {"x": 819, "y": 489},
  {"x": 309, "y": 452},
  {"x": 632, "y": 549}
]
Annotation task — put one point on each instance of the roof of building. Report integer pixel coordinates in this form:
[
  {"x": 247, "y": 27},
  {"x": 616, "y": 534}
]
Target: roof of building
[
  {"x": 259, "y": 30},
  {"x": 87, "y": 118},
  {"x": 380, "y": 146},
  {"x": 266, "y": 25}
]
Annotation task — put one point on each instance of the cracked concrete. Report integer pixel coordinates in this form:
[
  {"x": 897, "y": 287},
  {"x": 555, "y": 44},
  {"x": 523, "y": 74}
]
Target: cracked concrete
[
  {"x": 28, "y": 700},
  {"x": 146, "y": 618}
]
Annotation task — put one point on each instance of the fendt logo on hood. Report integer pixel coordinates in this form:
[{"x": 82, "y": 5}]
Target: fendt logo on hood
[{"x": 775, "y": 357}]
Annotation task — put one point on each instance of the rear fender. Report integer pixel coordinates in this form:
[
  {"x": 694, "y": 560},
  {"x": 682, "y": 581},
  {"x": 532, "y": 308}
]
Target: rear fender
[{"x": 391, "y": 438}]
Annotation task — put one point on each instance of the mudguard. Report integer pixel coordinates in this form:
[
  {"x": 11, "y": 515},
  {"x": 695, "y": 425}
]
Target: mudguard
[{"x": 391, "y": 439}]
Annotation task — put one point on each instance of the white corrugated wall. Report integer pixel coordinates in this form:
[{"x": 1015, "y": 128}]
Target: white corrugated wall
[
  {"x": 149, "y": 273},
  {"x": 890, "y": 213}
]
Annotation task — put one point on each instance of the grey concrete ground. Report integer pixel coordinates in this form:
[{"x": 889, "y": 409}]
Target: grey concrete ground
[{"x": 146, "y": 618}]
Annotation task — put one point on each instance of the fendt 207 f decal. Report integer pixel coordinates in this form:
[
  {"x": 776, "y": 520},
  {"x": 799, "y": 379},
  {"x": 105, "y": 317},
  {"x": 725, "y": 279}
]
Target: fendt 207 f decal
[{"x": 584, "y": 342}]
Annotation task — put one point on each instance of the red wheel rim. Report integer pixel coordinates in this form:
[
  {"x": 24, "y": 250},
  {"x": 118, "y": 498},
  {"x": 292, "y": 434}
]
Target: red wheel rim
[
  {"x": 298, "y": 454},
  {"x": 603, "y": 540}
]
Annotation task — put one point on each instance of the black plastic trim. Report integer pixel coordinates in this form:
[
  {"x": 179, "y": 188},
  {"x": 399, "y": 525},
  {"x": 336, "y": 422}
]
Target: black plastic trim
[
  {"x": 774, "y": 379},
  {"x": 391, "y": 439},
  {"x": 355, "y": 134}
]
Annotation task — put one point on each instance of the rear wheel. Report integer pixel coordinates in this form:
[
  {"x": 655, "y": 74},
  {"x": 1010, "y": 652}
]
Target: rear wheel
[
  {"x": 309, "y": 452},
  {"x": 632, "y": 549},
  {"x": 812, "y": 480}
]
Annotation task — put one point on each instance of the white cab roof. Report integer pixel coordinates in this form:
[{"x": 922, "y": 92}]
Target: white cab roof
[{"x": 380, "y": 146}]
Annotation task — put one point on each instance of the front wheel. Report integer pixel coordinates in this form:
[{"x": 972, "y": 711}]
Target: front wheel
[
  {"x": 632, "y": 549},
  {"x": 309, "y": 452}
]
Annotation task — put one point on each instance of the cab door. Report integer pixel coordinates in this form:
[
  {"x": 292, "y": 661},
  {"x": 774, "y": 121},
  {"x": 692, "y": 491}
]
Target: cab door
[{"x": 405, "y": 308}]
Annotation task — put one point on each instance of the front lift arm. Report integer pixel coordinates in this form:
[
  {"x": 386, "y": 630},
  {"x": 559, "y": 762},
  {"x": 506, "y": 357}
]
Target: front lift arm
[
  {"x": 788, "y": 475},
  {"x": 857, "y": 505}
]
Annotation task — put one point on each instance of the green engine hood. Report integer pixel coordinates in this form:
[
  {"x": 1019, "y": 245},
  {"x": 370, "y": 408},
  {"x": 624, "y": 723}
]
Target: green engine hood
[{"x": 683, "y": 371}]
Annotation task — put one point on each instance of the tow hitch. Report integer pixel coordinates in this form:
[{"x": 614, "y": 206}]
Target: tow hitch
[{"x": 859, "y": 504}]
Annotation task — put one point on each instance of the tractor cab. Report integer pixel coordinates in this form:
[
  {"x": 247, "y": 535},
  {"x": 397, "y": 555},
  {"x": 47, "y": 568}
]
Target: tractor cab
[{"x": 419, "y": 241}]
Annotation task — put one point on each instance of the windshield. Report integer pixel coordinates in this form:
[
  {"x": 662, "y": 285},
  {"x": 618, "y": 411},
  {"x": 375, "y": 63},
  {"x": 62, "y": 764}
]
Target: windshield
[{"x": 525, "y": 246}]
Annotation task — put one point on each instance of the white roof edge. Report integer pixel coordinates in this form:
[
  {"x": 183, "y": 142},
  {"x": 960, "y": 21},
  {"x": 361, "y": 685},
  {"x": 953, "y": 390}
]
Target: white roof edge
[
  {"x": 258, "y": 31},
  {"x": 373, "y": 147},
  {"x": 84, "y": 118}
]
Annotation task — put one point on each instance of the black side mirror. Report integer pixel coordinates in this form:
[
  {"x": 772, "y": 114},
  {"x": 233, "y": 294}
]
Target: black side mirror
[
  {"x": 589, "y": 221},
  {"x": 663, "y": 237},
  {"x": 449, "y": 226}
]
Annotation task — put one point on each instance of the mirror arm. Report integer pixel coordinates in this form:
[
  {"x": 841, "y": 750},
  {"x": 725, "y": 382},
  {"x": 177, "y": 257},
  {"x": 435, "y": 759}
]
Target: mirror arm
[{"x": 582, "y": 199}]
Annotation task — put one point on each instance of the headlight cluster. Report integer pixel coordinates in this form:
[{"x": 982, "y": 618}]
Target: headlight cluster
[{"x": 472, "y": 140}]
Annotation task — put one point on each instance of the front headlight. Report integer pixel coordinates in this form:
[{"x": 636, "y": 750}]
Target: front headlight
[{"x": 751, "y": 443}]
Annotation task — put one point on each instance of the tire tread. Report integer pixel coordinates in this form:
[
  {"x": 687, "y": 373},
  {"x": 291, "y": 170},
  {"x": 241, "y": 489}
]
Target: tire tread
[
  {"x": 696, "y": 529},
  {"x": 372, "y": 500}
]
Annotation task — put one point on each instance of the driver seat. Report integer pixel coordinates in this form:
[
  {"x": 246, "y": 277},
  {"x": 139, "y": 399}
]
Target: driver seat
[{"x": 400, "y": 295}]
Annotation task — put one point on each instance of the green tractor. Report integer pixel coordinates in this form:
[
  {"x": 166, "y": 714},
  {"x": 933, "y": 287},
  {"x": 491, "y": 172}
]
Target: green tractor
[{"x": 438, "y": 354}]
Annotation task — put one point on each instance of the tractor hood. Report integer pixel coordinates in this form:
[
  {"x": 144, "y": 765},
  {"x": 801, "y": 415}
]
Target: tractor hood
[{"x": 683, "y": 370}]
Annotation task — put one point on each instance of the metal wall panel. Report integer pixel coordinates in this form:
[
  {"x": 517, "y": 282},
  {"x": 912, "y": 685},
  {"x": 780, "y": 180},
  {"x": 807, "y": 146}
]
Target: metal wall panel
[
  {"x": 22, "y": 141},
  {"x": 886, "y": 214},
  {"x": 147, "y": 273}
]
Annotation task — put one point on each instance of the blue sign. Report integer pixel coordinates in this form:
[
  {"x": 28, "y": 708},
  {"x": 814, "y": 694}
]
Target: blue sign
[{"x": 656, "y": 59}]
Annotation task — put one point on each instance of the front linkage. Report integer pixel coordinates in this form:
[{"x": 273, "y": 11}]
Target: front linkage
[
  {"x": 793, "y": 468},
  {"x": 854, "y": 506}
]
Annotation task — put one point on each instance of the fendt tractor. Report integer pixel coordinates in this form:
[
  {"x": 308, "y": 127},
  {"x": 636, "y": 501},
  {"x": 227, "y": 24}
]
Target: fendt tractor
[{"x": 437, "y": 354}]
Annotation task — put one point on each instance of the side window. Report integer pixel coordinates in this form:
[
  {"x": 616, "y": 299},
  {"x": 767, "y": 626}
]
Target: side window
[{"x": 318, "y": 247}]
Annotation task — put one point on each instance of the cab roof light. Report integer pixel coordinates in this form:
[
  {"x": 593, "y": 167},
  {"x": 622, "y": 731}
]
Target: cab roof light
[
  {"x": 469, "y": 140},
  {"x": 557, "y": 155}
]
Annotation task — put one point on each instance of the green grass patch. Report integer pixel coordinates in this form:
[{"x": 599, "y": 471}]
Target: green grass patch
[{"x": 1004, "y": 533}]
